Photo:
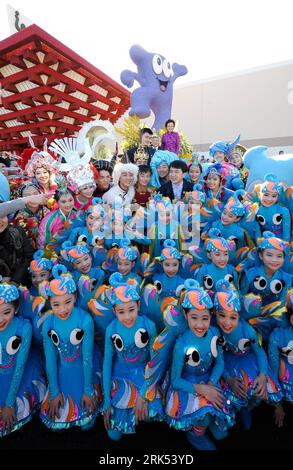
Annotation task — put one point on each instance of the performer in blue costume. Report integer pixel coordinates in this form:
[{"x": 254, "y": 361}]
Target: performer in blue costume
[
  {"x": 127, "y": 257},
  {"x": 280, "y": 353},
  {"x": 221, "y": 152},
  {"x": 272, "y": 216},
  {"x": 194, "y": 401},
  {"x": 22, "y": 382},
  {"x": 246, "y": 372},
  {"x": 93, "y": 224},
  {"x": 128, "y": 343},
  {"x": 270, "y": 282},
  {"x": 214, "y": 184},
  {"x": 163, "y": 224},
  {"x": 32, "y": 305},
  {"x": 169, "y": 280},
  {"x": 80, "y": 258},
  {"x": 218, "y": 250},
  {"x": 72, "y": 362}
]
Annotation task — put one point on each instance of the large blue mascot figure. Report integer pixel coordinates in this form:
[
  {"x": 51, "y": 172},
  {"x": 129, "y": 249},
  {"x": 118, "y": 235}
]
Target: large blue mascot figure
[{"x": 156, "y": 77}]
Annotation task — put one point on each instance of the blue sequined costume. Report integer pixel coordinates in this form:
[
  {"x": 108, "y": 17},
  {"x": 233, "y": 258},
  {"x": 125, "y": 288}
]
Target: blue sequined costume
[
  {"x": 280, "y": 353},
  {"x": 70, "y": 353},
  {"x": 196, "y": 360},
  {"x": 127, "y": 351}
]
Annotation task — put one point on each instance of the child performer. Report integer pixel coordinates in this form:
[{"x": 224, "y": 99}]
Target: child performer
[
  {"x": 72, "y": 363},
  {"x": 269, "y": 281},
  {"x": 128, "y": 343},
  {"x": 21, "y": 379},
  {"x": 194, "y": 400},
  {"x": 280, "y": 353},
  {"x": 272, "y": 216},
  {"x": 169, "y": 280},
  {"x": 246, "y": 367},
  {"x": 218, "y": 253}
]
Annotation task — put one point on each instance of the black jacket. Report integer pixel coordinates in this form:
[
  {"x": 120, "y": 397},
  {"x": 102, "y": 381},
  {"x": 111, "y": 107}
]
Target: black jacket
[
  {"x": 16, "y": 253},
  {"x": 167, "y": 190}
]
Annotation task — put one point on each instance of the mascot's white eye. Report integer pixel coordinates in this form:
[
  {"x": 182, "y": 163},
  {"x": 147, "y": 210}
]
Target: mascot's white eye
[
  {"x": 214, "y": 344},
  {"x": 118, "y": 342},
  {"x": 13, "y": 345},
  {"x": 277, "y": 219},
  {"x": 261, "y": 220},
  {"x": 141, "y": 338},
  {"x": 158, "y": 286},
  {"x": 82, "y": 239},
  {"x": 228, "y": 277},
  {"x": 260, "y": 283},
  {"x": 76, "y": 336},
  {"x": 243, "y": 343},
  {"x": 54, "y": 337},
  {"x": 167, "y": 69},
  {"x": 192, "y": 357},
  {"x": 276, "y": 286},
  {"x": 208, "y": 281},
  {"x": 157, "y": 64}
]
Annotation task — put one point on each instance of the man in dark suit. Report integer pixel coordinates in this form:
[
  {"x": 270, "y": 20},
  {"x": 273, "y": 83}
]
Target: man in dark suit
[
  {"x": 145, "y": 140},
  {"x": 177, "y": 186}
]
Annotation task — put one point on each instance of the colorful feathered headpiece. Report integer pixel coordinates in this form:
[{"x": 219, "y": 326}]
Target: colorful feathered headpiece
[
  {"x": 234, "y": 205},
  {"x": 216, "y": 243},
  {"x": 270, "y": 241},
  {"x": 121, "y": 292},
  {"x": 127, "y": 251},
  {"x": 62, "y": 283},
  {"x": 169, "y": 251},
  {"x": 195, "y": 296},
  {"x": 214, "y": 170},
  {"x": 226, "y": 298},
  {"x": 8, "y": 292},
  {"x": 39, "y": 263},
  {"x": 271, "y": 184}
]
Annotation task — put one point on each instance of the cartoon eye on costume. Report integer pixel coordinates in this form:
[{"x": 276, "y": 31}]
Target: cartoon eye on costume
[
  {"x": 95, "y": 240},
  {"x": 76, "y": 336},
  {"x": 261, "y": 220},
  {"x": 82, "y": 239},
  {"x": 158, "y": 286},
  {"x": 208, "y": 281},
  {"x": 214, "y": 344},
  {"x": 118, "y": 342},
  {"x": 277, "y": 219},
  {"x": 141, "y": 338},
  {"x": 13, "y": 345},
  {"x": 192, "y": 357},
  {"x": 228, "y": 277},
  {"x": 260, "y": 283},
  {"x": 54, "y": 337},
  {"x": 233, "y": 238},
  {"x": 167, "y": 69},
  {"x": 289, "y": 353},
  {"x": 157, "y": 64},
  {"x": 243, "y": 343},
  {"x": 276, "y": 286}
]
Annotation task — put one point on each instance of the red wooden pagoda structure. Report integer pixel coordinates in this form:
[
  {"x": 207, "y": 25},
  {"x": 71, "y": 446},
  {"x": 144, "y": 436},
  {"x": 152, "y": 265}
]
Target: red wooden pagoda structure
[{"x": 49, "y": 91}]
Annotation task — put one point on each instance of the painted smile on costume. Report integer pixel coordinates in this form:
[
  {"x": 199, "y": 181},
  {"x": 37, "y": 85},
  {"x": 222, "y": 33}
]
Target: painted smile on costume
[
  {"x": 10, "y": 364},
  {"x": 71, "y": 359},
  {"x": 133, "y": 359}
]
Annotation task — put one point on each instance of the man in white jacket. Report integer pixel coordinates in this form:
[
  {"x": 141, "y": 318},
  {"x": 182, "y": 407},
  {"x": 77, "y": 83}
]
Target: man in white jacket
[{"x": 124, "y": 180}]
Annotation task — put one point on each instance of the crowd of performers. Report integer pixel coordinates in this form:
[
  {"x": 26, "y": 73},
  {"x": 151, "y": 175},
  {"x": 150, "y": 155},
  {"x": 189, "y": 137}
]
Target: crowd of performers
[{"x": 144, "y": 288}]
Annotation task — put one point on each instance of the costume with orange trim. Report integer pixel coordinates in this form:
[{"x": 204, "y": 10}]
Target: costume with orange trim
[
  {"x": 127, "y": 351},
  {"x": 73, "y": 363}
]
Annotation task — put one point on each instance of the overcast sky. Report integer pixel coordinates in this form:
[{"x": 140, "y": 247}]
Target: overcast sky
[{"x": 210, "y": 37}]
